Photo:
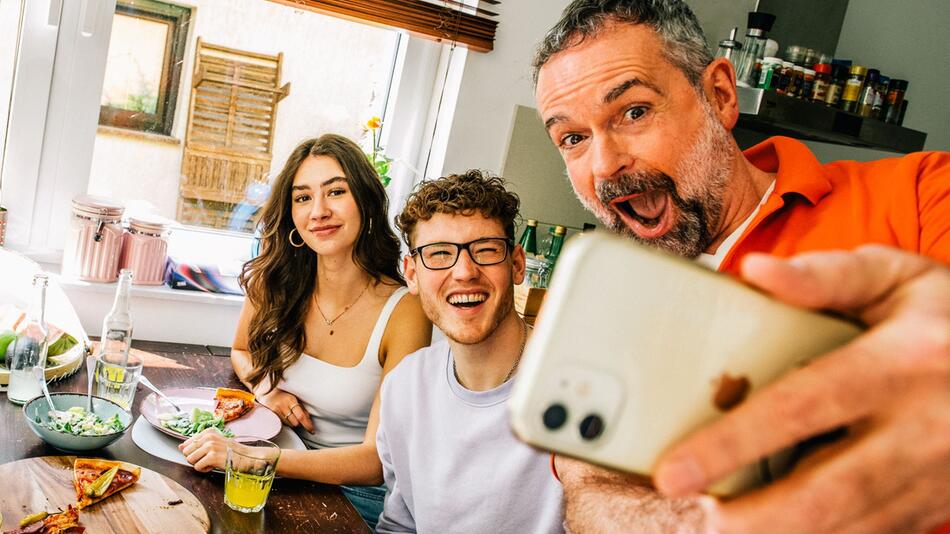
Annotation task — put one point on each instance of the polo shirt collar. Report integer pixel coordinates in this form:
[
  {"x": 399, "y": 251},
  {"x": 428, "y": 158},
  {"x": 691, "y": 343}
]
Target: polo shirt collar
[{"x": 797, "y": 170}]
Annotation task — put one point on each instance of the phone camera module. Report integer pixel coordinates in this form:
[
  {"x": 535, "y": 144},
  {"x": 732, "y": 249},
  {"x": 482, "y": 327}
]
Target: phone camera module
[
  {"x": 592, "y": 427},
  {"x": 555, "y": 416}
]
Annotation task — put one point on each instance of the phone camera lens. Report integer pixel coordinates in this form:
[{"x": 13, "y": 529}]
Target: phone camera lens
[
  {"x": 555, "y": 416},
  {"x": 592, "y": 427}
]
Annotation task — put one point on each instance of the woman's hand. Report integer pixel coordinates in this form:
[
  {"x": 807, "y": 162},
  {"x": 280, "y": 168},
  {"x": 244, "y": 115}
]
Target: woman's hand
[
  {"x": 288, "y": 408},
  {"x": 206, "y": 450}
]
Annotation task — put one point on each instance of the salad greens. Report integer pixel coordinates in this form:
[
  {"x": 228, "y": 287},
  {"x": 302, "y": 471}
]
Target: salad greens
[
  {"x": 189, "y": 424},
  {"x": 77, "y": 422}
]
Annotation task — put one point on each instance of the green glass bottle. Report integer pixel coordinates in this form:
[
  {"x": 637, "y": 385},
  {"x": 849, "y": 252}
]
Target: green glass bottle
[
  {"x": 529, "y": 239},
  {"x": 556, "y": 243}
]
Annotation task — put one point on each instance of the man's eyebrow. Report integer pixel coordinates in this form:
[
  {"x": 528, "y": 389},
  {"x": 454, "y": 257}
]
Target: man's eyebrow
[
  {"x": 617, "y": 91},
  {"x": 554, "y": 120}
]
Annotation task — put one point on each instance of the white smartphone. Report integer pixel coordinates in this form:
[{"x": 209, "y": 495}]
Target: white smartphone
[{"x": 635, "y": 348}]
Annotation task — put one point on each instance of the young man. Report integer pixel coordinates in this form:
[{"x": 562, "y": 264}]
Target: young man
[
  {"x": 641, "y": 113},
  {"x": 449, "y": 458}
]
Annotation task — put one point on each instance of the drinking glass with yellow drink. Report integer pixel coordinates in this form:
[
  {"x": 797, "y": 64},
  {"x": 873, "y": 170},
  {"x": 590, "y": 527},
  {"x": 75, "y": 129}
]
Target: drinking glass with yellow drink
[
  {"x": 116, "y": 377},
  {"x": 249, "y": 473}
]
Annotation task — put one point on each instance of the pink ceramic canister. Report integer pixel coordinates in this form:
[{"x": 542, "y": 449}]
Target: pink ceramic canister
[
  {"x": 94, "y": 241},
  {"x": 144, "y": 250}
]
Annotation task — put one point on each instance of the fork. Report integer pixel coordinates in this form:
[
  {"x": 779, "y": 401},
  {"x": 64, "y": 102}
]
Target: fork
[{"x": 148, "y": 383}]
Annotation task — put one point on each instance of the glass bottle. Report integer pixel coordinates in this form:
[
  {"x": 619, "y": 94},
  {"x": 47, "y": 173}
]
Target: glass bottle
[
  {"x": 29, "y": 347},
  {"x": 529, "y": 238},
  {"x": 117, "y": 325},
  {"x": 730, "y": 48},
  {"x": 556, "y": 243},
  {"x": 880, "y": 96},
  {"x": 754, "y": 48},
  {"x": 833, "y": 93}
]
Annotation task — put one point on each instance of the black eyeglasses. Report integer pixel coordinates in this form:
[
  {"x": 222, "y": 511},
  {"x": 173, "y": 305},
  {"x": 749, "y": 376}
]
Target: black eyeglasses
[{"x": 486, "y": 251}]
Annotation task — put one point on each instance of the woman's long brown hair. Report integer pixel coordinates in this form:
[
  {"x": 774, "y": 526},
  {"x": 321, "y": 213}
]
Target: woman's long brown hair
[{"x": 280, "y": 281}]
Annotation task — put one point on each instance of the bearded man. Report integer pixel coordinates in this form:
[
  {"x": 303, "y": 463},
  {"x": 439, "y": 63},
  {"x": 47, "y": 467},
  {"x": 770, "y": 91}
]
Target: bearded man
[{"x": 641, "y": 114}]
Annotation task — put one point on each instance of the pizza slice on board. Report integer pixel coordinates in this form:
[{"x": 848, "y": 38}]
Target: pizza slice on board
[{"x": 96, "y": 479}]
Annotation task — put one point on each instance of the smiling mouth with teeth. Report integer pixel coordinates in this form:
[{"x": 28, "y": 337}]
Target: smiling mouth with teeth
[{"x": 467, "y": 300}]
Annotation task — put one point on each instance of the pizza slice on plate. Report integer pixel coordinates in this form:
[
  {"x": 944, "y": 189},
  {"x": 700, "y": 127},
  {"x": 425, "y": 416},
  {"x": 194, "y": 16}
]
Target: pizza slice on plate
[
  {"x": 229, "y": 404},
  {"x": 95, "y": 479},
  {"x": 66, "y": 522}
]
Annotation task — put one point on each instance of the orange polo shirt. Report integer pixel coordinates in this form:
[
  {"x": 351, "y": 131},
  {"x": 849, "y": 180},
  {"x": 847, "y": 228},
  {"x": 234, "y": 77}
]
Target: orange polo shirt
[{"x": 902, "y": 202}]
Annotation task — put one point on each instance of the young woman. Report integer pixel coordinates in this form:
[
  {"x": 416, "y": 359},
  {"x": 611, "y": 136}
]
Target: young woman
[{"x": 327, "y": 315}]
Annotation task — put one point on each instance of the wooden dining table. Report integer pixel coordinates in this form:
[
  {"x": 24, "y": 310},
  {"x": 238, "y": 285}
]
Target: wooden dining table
[{"x": 293, "y": 506}]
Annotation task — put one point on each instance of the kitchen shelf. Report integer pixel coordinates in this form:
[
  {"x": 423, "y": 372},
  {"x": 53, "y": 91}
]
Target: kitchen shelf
[{"x": 774, "y": 114}]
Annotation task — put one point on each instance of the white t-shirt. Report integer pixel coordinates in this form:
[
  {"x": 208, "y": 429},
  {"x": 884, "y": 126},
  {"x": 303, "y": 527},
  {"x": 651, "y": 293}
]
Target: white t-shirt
[
  {"x": 450, "y": 460},
  {"x": 713, "y": 261}
]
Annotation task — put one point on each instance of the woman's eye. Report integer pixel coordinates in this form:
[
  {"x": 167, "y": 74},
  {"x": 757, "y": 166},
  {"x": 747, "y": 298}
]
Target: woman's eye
[
  {"x": 570, "y": 140},
  {"x": 301, "y": 198},
  {"x": 636, "y": 112},
  {"x": 336, "y": 192}
]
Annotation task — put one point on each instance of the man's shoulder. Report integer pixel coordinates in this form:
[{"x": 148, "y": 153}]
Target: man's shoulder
[
  {"x": 419, "y": 367},
  {"x": 898, "y": 170}
]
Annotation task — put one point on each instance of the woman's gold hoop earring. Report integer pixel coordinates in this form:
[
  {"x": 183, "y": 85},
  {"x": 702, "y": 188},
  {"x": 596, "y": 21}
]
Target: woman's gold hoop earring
[{"x": 290, "y": 237}]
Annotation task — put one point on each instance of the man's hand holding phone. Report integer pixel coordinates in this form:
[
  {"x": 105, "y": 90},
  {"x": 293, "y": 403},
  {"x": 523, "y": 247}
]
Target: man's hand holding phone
[{"x": 890, "y": 388}]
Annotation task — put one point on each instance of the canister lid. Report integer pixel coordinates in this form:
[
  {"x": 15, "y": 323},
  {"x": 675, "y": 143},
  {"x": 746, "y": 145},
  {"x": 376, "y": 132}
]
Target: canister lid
[
  {"x": 97, "y": 207},
  {"x": 823, "y": 68},
  {"x": 150, "y": 225},
  {"x": 858, "y": 70}
]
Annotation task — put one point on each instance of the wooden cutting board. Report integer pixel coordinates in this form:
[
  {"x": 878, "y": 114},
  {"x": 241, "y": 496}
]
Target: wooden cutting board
[{"x": 46, "y": 483}]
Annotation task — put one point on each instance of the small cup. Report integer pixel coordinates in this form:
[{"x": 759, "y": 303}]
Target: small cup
[
  {"x": 249, "y": 473},
  {"x": 116, "y": 379}
]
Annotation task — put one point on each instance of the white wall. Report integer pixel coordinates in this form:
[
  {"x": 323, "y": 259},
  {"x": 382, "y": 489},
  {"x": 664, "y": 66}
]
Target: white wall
[{"x": 906, "y": 40}]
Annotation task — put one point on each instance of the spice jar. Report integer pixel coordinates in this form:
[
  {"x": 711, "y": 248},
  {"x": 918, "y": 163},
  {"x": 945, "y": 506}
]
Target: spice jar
[
  {"x": 785, "y": 76},
  {"x": 880, "y": 96},
  {"x": 895, "y": 96},
  {"x": 94, "y": 240},
  {"x": 866, "y": 101},
  {"x": 145, "y": 250},
  {"x": 807, "y": 84},
  {"x": 822, "y": 80},
  {"x": 796, "y": 54},
  {"x": 794, "y": 87},
  {"x": 852, "y": 88},
  {"x": 833, "y": 94},
  {"x": 769, "y": 74}
]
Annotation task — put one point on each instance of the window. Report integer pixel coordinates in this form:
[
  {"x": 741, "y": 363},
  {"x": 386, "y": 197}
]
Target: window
[{"x": 143, "y": 69}]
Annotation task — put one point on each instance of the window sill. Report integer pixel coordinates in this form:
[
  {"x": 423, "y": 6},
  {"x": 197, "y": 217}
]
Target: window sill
[
  {"x": 161, "y": 292},
  {"x": 138, "y": 135}
]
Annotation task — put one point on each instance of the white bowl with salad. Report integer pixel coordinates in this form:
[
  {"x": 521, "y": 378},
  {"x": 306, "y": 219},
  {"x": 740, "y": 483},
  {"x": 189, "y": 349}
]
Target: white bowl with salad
[{"x": 73, "y": 429}]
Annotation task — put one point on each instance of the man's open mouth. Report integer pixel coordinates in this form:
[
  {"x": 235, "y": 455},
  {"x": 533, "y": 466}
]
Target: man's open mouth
[
  {"x": 467, "y": 300},
  {"x": 648, "y": 214}
]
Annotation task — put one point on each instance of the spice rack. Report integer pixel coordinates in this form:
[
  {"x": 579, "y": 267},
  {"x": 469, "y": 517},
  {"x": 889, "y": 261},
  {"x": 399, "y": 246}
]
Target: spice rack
[{"x": 774, "y": 114}]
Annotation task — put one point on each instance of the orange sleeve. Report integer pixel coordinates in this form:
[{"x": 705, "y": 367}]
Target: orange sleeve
[{"x": 933, "y": 193}]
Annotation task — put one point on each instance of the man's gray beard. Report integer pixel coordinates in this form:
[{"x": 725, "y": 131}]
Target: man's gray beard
[{"x": 703, "y": 173}]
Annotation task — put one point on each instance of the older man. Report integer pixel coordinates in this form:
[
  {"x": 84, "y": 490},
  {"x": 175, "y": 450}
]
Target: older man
[{"x": 641, "y": 114}]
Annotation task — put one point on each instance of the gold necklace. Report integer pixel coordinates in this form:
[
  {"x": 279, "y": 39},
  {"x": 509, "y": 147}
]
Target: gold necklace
[
  {"x": 329, "y": 322},
  {"x": 511, "y": 372}
]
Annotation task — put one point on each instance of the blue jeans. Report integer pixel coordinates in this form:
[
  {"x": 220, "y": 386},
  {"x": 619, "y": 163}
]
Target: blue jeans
[{"x": 368, "y": 501}]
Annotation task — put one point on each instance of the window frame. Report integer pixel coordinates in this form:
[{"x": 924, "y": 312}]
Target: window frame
[
  {"x": 161, "y": 122},
  {"x": 47, "y": 100}
]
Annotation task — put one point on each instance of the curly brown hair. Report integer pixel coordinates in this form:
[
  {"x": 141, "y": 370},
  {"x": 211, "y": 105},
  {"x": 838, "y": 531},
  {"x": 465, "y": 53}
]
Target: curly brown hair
[{"x": 460, "y": 194}]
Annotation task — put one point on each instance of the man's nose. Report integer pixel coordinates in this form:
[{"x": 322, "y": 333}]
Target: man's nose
[
  {"x": 610, "y": 157},
  {"x": 465, "y": 267}
]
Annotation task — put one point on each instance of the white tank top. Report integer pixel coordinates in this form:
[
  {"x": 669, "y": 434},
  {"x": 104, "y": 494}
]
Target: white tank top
[{"x": 339, "y": 399}]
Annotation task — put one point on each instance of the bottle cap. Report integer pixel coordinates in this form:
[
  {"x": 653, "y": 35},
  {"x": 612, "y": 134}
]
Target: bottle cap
[
  {"x": 900, "y": 85},
  {"x": 761, "y": 21},
  {"x": 560, "y": 230},
  {"x": 858, "y": 70},
  {"x": 532, "y": 222},
  {"x": 823, "y": 68}
]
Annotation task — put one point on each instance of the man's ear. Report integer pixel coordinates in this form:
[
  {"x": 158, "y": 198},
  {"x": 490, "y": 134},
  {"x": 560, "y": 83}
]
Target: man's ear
[
  {"x": 409, "y": 267},
  {"x": 517, "y": 265},
  {"x": 719, "y": 86}
]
